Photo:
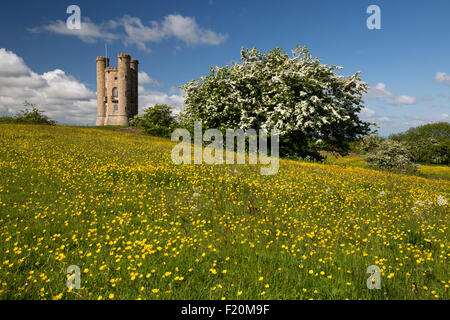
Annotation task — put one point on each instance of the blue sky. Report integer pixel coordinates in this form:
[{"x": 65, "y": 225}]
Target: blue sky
[{"x": 406, "y": 63}]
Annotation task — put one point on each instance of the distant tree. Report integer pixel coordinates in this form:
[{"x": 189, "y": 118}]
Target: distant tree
[
  {"x": 429, "y": 143},
  {"x": 157, "y": 120},
  {"x": 438, "y": 130},
  {"x": 309, "y": 105}
]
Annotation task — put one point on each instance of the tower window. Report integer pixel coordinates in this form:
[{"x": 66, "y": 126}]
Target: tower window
[
  {"x": 115, "y": 92},
  {"x": 115, "y": 78},
  {"x": 116, "y": 108}
]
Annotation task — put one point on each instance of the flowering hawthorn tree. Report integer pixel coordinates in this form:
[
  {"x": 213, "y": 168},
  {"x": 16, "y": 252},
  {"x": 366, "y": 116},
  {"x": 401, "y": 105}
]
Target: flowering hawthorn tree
[{"x": 309, "y": 105}]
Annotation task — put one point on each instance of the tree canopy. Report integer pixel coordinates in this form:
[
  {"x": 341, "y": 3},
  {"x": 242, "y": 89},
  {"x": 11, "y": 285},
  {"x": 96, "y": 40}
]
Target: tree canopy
[
  {"x": 306, "y": 102},
  {"x": 429, "y": 143},
  {"x": 157, "y": 120}
]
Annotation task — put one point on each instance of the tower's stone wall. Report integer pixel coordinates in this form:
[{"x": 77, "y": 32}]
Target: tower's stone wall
[
  {"x": 134, "y": 65},
  {"x": 102, "y": 63},
  {"x": 117, "y": 91}
]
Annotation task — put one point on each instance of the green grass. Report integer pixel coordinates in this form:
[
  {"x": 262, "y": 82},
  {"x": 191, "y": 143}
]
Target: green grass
[
  {"x": 139, "y": 226},
  {"x": 428, "y": 171}
]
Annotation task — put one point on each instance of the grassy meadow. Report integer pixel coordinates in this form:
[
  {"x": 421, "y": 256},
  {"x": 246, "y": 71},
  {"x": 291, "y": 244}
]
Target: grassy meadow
[
  {"x": 427, "y": 171},
  {"x": 140, "y": 227}
]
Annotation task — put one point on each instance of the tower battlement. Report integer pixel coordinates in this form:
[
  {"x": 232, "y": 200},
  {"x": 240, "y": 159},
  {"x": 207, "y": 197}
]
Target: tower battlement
[{"x": 117, "y": 90}]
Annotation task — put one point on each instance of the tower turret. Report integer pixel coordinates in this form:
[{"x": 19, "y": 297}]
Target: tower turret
[
  {"x": 124, "y": 86},
  {"x": 134, "y": 87},
  {"x": 102, "y": 64}
]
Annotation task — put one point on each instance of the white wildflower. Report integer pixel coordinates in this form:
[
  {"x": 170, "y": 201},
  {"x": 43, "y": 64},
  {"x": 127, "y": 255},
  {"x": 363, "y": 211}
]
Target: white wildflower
[
  {"x": 441, "y": 200},
  {"x": 419, "y": 203}
]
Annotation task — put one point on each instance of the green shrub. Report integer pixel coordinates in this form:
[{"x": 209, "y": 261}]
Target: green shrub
[
  {"x": 430, "y": 151},
  {"x": 6, "y": 119},
  {"x": 156, "y": 121},
  {"x": 393, "y": 156}
]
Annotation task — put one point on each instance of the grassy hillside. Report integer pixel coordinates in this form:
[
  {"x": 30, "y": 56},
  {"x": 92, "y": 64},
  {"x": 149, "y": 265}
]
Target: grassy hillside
[{"x": 140, "y": 227}]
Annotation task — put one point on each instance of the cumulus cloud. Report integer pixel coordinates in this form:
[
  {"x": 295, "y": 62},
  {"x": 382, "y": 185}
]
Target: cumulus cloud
[
  {"x": 32, "y": 80},
  {"x": 89, "y": 31},
  {"x": 176, "y": 26},
  {"x": 442, "y": 77},
  {"x": 135, "y": 32},
  {"x": 366, "y": 113},
  {"x": 139, "y": 34},
  {"x": 148, "y": 98},
  {"x": 12, "y": 65},
  {"x": 62, "y": 97},
  {"x": 145, "y": 78},
  {"x": 402, "y": 99},
  {"x": 379, "y": 91},
  {"x": 187, "y": 30}
]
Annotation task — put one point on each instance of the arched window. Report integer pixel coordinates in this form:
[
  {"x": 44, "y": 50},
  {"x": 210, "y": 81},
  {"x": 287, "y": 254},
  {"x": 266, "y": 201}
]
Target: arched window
[
  {"x": 116, "y": 108},
  {"x": 115, "y": 92}
]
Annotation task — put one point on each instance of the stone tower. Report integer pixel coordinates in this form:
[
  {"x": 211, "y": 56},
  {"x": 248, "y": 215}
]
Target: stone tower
[{"x": 117, "y": 91}]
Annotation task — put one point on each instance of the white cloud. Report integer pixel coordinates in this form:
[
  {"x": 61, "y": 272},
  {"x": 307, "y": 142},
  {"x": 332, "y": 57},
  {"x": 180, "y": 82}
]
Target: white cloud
[
  {"x": 148, "y": 98},
  {"x": 145, "y": 78},
  {"x": 182, "y": 28},
  {"x": 379, "y": 91},
  {"x": 62, "y": 97},
  {"x": 138, "y": 33},
  {"x": 187, "y": 30},
  {"x": 89, "y": 31},
  {"x": 444, "y": 116},
  {"x": 12, "y": 65},
  {"x": 366, "y": 113},
  {"x": 442, "y": 77},
  {"x": 402, "y": 100},
  {"x": 62, "y": 86},
  {"x": 32, "y": 80}
]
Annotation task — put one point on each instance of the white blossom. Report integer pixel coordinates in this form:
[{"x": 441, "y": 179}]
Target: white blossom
[
  {"x": 441, "y": 200},
  {"x": 276, "y": 91}
]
